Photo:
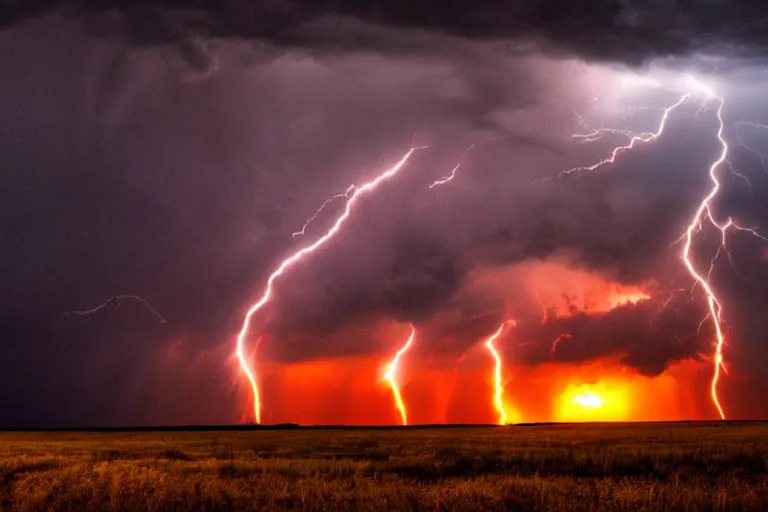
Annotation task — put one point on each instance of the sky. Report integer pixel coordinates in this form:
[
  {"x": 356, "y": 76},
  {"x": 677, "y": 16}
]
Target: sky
[{"x": 169, "y": 150}]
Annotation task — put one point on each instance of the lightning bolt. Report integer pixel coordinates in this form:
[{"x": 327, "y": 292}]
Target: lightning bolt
[
  {"x": 392, "y": 374},
  {"x": 452, "y": 174},
  {"x": 350, "y": 190},
  {"x": 255, "y": 392},
  {"x": 702, "y": 214},
  {"x": 737, "y": 126},
  {"x": 633, "y": 141},
  {"x": 526, "y": 139},
  {"x": 596, "y": 134},
  {"x": 289, "y": 262},
  {"x": 557, "y": 342},
  {"x": 497, "y": 382},
  {"x": 117, "y": 300}
]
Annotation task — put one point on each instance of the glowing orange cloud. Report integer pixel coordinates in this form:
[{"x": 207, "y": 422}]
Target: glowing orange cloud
[
  {"x": 391, "y": 377},
  {"x": 556, "y": 288}
]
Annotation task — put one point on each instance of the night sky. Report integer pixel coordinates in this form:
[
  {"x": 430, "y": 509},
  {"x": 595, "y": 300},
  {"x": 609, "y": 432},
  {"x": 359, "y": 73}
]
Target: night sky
[{"x": 169, "y": 150}]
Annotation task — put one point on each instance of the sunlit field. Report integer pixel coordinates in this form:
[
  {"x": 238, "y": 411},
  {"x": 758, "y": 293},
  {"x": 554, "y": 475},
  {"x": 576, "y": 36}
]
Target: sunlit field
[{"x": 622, "y": 467}]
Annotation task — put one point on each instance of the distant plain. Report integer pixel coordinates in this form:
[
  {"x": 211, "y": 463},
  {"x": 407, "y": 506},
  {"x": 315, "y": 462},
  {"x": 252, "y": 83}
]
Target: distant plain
[{"x": 596, "y": 467}]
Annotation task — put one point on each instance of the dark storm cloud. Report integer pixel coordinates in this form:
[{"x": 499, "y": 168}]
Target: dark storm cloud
[
  {"x": 622, "y": 30},
  {"x": 648, "y": 336},
  {"x": 619, "y": 221},
  {"x": 178, "y": 171}
]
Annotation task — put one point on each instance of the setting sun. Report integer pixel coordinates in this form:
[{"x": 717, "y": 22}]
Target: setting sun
[
  {"x": 589, "y": 400},
  {"x": 602, "y": 401}
]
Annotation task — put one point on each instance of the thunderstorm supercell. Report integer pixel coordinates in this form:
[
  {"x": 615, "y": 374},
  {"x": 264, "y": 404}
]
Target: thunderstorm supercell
[{"x": 335, "y": 212}]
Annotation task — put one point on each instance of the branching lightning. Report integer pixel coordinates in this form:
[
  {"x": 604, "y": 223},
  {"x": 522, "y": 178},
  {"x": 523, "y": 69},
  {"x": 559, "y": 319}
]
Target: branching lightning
[
  {"x": 595, "y": 134},
  {"x": 633, "y": 141},
  {"x": 117, "y": 300},
  {"x": 702, "y": 214},
  {"x": 350, "y": 190},
  {"x": 391, "y": 377},
  {"x": 452, "y": 174},
  {"x": 737, "y": 127},
  {"x": 289, "y": 262},
  {"x": 497, "y": 380}
]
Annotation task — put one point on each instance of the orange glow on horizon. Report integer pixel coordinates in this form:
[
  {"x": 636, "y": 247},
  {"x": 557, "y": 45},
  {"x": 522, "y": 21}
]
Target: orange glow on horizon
[
  {"x": 346, "y": 390},
  {"x": 607, "y": 391},
  {"x": 595, "y": 402},
  {"x": 447, "y": 388},
  {"x": 557, "y": 289}
]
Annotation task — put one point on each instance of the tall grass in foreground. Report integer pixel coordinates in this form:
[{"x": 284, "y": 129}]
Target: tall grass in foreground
[{"x": 654, "y": 467}]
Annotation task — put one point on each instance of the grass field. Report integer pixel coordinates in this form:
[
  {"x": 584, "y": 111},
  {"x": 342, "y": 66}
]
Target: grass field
[{"x": 648, "y": 467}]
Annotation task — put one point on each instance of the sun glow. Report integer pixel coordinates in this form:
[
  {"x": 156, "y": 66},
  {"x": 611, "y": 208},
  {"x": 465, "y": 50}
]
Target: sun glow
[
  {"x": 605, "y": 400},
  {"x": 588, "y": 400}
]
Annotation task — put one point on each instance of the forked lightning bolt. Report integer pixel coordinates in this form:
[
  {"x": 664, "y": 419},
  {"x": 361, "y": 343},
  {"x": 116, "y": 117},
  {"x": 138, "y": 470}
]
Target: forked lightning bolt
[
  {"x": 117, "y": 300},
  {"x": 633, "y": 141},
  {"x": 737, "y": 126},
  {"x": 287, "y": 263},
  {"x": 596, "y": 134},
  {"x": 702, "y": 214},
  {"x": 498, "y": 385},
  {"x": 391, "y": 377},
  {"x": 328, "y": 201}
]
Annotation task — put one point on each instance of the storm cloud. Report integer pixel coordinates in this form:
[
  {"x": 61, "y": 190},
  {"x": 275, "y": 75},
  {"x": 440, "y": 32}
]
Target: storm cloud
[
  {"x": 622, "y": 30},
  {"x": 170, "y": 151}
]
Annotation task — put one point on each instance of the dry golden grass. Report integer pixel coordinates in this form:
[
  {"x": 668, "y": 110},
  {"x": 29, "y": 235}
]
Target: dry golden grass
[{"x": 653, "y": 467}]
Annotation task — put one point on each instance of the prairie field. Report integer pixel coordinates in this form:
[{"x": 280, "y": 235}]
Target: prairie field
[{"x": 619, "y": 467}]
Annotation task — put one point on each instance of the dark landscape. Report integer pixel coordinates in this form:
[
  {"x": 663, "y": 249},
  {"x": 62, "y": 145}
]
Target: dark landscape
[{"x": 608, "y": 467}]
